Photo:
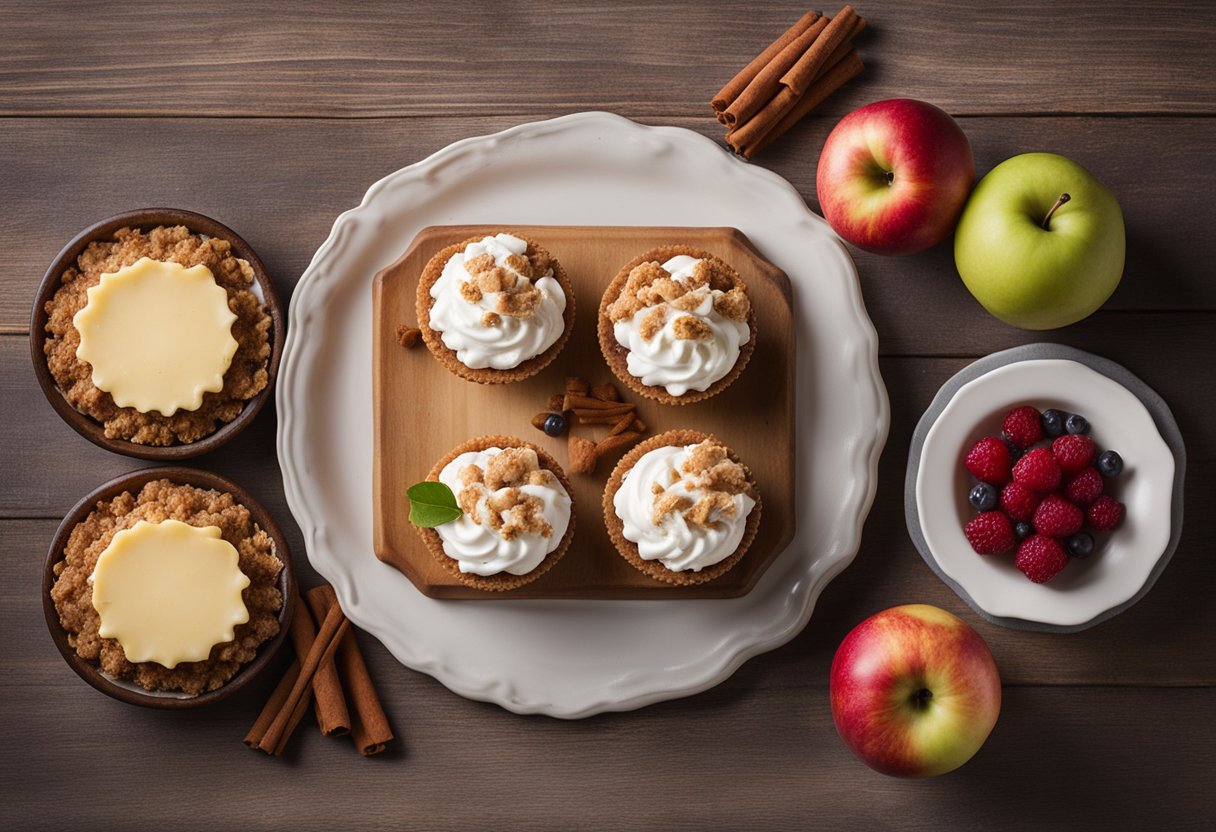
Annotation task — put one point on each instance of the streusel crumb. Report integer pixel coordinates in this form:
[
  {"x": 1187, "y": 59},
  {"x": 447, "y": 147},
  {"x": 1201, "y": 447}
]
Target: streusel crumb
[
  {"x": 511, "y": 511},
  {"x": 650, "y": 285}
]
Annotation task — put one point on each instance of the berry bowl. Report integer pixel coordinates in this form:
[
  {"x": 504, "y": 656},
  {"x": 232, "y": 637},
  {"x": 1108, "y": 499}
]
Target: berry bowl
[{"x": 1123, "y": 414}]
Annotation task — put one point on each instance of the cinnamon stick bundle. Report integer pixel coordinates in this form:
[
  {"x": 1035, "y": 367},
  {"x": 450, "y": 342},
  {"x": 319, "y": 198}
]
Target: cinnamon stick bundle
[
  {"x": 796, "y": 73},
  {"x": 332, "y": 716},
  {"x": 283, "y": 712},
  {"x": 369, "y": 724}
]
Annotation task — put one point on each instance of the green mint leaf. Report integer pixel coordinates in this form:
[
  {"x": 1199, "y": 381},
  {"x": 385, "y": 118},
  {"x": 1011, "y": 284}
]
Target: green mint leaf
[{"x": 432, "y": 504}]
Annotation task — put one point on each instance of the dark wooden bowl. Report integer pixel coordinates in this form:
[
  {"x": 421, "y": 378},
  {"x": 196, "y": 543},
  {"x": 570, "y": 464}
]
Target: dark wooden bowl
[
  {"x": 90, "y": 672},
  {"x": 148, "y": 218}
]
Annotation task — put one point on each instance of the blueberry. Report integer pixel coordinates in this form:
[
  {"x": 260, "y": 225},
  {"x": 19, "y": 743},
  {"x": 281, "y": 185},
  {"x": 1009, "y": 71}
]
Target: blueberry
[
  {"x": 1081, "y": 545},
  {"x": 555, "y": 424},
  {"x": 1023, "y": 530},
  {"x": 982, "y": 497},
  {"x": 1110, "y": 464},
  {"x": 1016, "y": 453},
  {"x": 1053, "y": 423},
  {"x": 1076, "y": 423}
]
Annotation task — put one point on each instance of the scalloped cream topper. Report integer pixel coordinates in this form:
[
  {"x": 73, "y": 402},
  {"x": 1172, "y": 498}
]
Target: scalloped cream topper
[
  {"x": 157, "y": 335},
  {"x": 169, "y": 592}
]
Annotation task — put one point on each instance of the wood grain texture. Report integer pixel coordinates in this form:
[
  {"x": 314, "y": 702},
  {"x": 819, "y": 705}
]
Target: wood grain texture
[
  {"x": 425, "y": 58},
  {"x": 281, "y": 184},
  {"x": 273, "y": 120},
  {"x": 414, "y": 429}
]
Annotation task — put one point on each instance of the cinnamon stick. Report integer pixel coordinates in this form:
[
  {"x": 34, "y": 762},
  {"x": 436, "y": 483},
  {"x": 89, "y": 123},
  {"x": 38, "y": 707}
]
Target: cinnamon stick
[
  {"x": 727, "y": 95},
  {"x": 840, "y": 31},
  {"x": 830, "y": 82},
  {"x": 332, "y": 716},
  {"x": 273, "y": 705},
  {"x": 768, "y": 80},
  {"x": 369, "y": 724},
  {"x": 748, "y": 136},
  {"x": 332, "y": 629}
]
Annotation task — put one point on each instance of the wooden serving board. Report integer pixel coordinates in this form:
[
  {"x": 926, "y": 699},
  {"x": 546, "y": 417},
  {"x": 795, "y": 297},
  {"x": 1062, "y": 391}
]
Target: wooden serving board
[{"x": 422, "y": 411}]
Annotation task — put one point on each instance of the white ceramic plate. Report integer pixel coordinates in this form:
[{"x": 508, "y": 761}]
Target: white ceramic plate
[
  {"x": 1126, "y": 561},
  {"x": 563, "y": 658}
]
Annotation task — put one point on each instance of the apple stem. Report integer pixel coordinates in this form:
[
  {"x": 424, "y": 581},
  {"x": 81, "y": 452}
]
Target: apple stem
[
  {"x": 1063, "y": 198},
  {"x": 921, "y": 697},
  {"x": 890, "y": 176}
]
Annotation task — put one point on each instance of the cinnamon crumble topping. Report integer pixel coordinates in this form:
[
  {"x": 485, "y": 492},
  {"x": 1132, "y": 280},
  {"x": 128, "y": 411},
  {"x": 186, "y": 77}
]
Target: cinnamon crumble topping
[
  {"x": 709, "y": 469},
  {"x": 516, "y": 298},
  {"x": 511, "y": 511},
  {"x": 650, "y": 286}
]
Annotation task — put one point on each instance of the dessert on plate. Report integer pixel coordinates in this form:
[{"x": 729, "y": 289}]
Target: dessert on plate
[
  {"x": 173, "y": 588},
  {"x": 682, "y": 508},
  {"x": 676, "y": 324},
  {"x": 495, "y": 309},
  {"x": 158, "y": 335},
  {"x": 514, "y": 517}
]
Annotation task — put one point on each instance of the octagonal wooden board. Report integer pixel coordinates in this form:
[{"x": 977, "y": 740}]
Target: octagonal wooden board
[{"x": 422, "y": 411}]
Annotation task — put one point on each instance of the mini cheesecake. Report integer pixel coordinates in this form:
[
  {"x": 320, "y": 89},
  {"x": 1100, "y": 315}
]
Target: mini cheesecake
[
  {"x": 682, "y": 508},
  {"x": 676, "y": 325},
  {"x": 518, "y": 515},
  {"x": 495, "y": 309}
]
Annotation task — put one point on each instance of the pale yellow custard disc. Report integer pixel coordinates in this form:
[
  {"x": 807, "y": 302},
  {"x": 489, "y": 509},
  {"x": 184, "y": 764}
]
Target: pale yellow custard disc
[
  {"x": 169, "y": 592},
  {"x": 157, "y": 335}
]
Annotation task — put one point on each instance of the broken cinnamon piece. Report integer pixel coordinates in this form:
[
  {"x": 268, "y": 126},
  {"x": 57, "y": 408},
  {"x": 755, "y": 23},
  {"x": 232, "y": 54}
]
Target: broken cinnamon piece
[
  {"x": 407, "y": 336},
  {"x": 603, "y": 417},
  {"x": 581, "y": 453},
  {"x": 538, "y": 421},
  {"x": 622, "y": 424},
  {"x": 764, "y": 86},
  {"x": 639, "y": 426},
  {"x": 727, "y": 95},
  {"x": 369, "y": 723},
  {"x": 588, "y": 403},
  {"x": 610, "y": 444},
  {"x": 606, "y": 393},
  {"x": 556, "y": 401},
  {"x": 576, "y": 386}
]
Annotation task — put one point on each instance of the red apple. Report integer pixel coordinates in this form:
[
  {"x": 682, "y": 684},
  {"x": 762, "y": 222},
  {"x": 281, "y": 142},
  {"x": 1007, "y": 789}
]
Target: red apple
[
  {"x": 893, "y": 176},
  {"x": 914, "y": 691}
]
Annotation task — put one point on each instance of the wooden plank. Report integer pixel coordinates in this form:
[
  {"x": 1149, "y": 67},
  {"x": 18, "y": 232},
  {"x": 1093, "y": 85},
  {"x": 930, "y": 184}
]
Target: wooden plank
[
  {"x": 281, "y": 185},
  {"x": 1060, "y": 757},
  {"x": 651, "y": 58}
]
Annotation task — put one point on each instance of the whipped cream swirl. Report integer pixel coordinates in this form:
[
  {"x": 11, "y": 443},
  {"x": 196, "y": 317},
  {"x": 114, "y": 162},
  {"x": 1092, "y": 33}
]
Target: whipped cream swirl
[
  {"x": 682, "y": 364},
  {"x": 480, "y": 549},
  {"x": 479, "y": 335},
  {"x": 674, "y": 542}
]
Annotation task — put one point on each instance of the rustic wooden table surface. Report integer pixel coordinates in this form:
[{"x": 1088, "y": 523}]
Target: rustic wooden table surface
[{"x": 276, "y": 119}]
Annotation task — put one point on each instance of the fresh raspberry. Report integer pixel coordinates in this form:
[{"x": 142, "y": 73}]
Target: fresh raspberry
[
  {"x": 1023, "y": 426},
  {"x": 1105, "y": 514},
  {"x": 989, "y": 461},
  {"x": 1073, "y": 452},
  {"x": 1083, "y": 488},
  {"x": 1057, "y": 517},
  {"x": 990, "y": 533},
  {"x": 1038, "y": 471},
  {"x": 1019, "y": 502},
  {"x": 1041, "y": 558}
]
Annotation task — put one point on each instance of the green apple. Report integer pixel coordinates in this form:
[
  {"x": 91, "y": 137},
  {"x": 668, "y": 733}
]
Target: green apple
[{"x": 1040, "y": 242}]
